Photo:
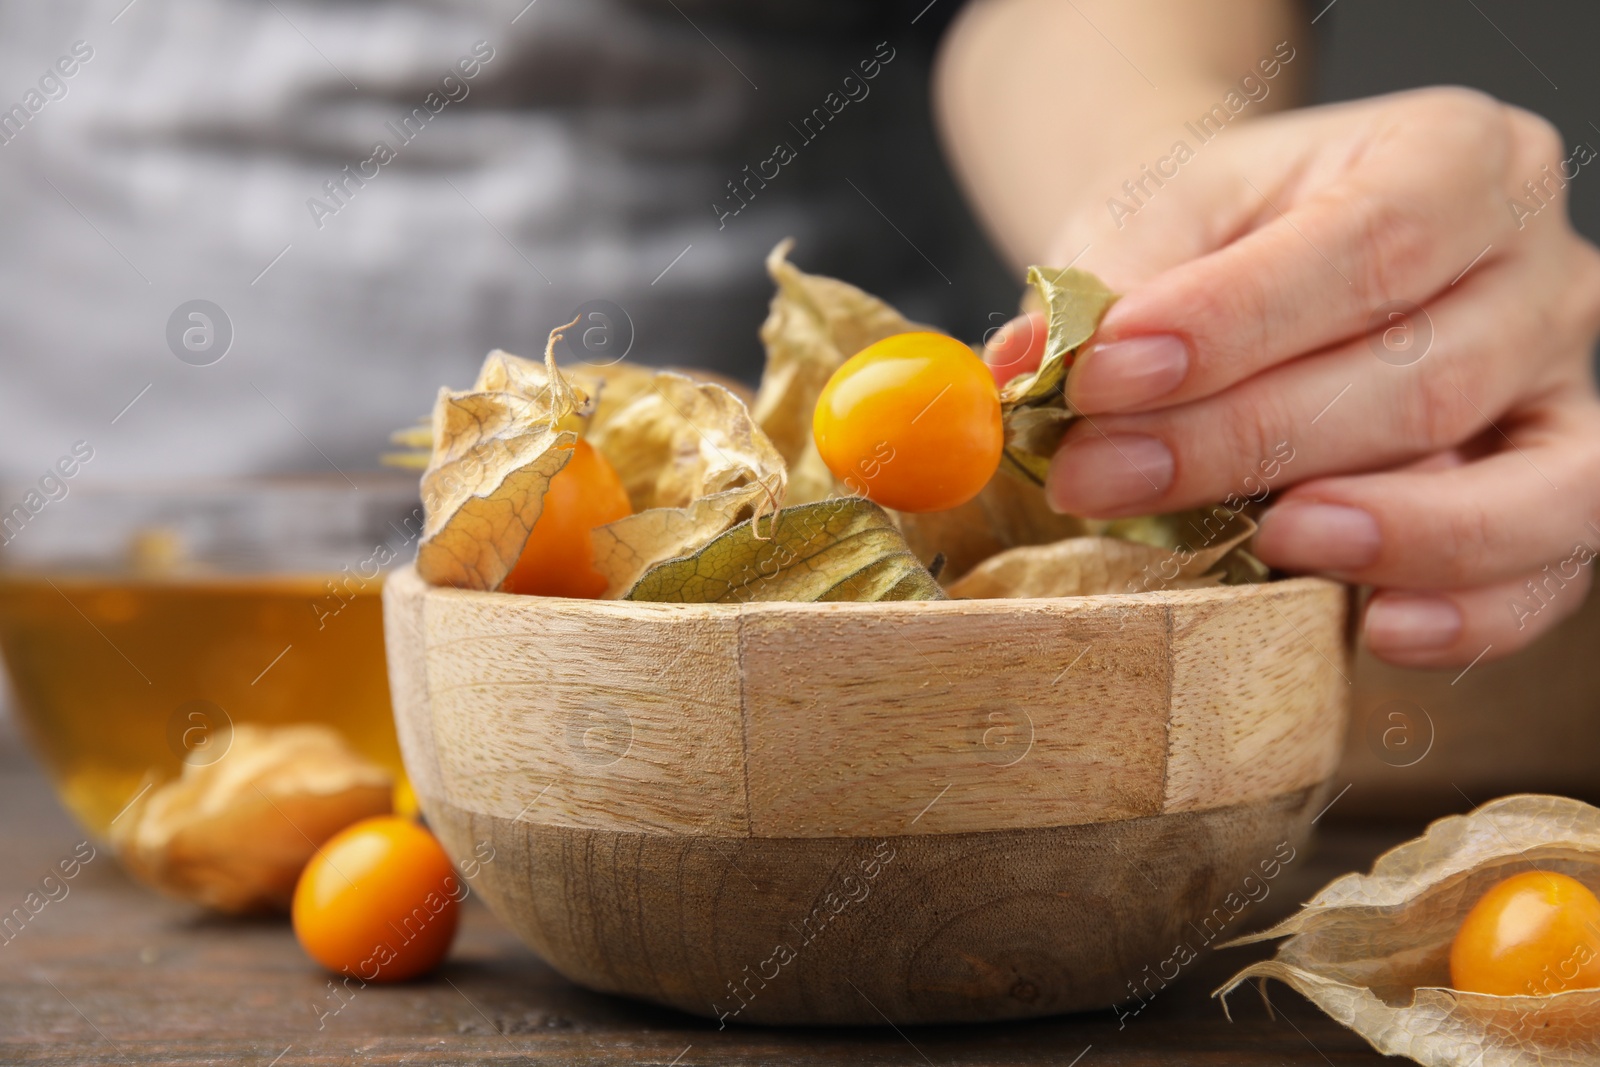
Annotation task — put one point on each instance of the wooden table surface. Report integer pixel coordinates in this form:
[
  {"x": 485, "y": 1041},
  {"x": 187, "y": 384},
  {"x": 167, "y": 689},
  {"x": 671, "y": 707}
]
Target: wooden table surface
[{"x": 113, "y": 974}]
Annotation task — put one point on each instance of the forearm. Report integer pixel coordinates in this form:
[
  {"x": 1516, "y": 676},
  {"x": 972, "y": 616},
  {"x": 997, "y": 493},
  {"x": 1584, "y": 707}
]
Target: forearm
[{"x": 1040, "y": 102}]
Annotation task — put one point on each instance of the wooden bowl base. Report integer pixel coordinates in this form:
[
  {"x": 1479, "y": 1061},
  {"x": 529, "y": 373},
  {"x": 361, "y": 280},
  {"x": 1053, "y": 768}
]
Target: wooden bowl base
[{"x": 930, "y": 928}]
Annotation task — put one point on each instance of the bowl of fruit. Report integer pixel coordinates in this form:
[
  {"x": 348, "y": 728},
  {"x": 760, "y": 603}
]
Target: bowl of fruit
[{"x": 807, "y": 710}]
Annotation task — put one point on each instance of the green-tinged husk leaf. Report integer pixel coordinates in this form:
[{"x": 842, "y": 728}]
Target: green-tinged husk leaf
[
  {"x": 1032, "y": 405},
  {"x": 841, "y": 549},
  {"x": 1074, "y": 300},
  {"x": 1088, "y": 566},
  {"x": 694, "y": 464},
  {"x": 1033, "y": 434},
  {"x": 814, "y": 324},
  {"x": 625, "y": 549},
  {"x": 1197, "y": 531},
  {"x": 1373, "y": 950}
]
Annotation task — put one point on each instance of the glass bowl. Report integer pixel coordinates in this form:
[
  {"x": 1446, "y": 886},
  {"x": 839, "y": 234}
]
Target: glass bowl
[{"x": 138, "y": 624}]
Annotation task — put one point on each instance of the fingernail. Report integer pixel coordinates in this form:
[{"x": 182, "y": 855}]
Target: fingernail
[
  {"x": 1124, "y": 374},
  {"x": 1105, "y": 475},
  {"x": 1318, "y": 537},
  {"x": 1411, "y": 622}
]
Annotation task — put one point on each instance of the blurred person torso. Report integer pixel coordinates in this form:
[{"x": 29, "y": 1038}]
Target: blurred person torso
[{"x": 374, "y": 193}]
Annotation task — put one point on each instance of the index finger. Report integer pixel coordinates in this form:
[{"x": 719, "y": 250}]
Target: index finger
[{"x": 1016, "y": 347}]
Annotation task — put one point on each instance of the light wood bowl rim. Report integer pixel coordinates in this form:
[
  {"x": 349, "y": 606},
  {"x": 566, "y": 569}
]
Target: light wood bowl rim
[{"x": 1073, "y": 604}]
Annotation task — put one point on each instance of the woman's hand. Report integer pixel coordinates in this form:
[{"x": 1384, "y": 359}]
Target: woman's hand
[{"x": 1376, "y": 290}]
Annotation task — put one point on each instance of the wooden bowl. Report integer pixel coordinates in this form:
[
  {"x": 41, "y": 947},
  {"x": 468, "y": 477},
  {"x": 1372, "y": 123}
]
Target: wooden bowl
[{"x": 859, "y": 813}]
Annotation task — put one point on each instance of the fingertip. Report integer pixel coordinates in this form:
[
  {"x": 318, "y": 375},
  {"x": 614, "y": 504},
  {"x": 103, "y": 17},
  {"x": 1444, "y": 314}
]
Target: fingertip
[
  {"x": 1307, "y": 536},
  {"x": 1457, "y": 629},
  {"x": 1129, "y": 374},
  {"x": 1412, "y": 629},
  {"x": 1017, "y": 347}
]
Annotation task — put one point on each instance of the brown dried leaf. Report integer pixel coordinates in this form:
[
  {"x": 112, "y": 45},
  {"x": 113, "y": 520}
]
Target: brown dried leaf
[
  {"x": 814, "y": 324},
  {"x": 495, "y": 449},
  {"x": 234, "y": 834},
  {"x": 1373, "y": 950},
  {"x": 679, "y": 440},
  {"x": 842, "y": 549}
]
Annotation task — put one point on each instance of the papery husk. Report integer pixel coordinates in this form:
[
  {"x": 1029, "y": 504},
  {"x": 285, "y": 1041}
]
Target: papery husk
[
  {"x": 1198, "y": 530},
  {"x": 611, "y": 387},
  {"x": 694, "y": 464},
  {"x": 1033, "y": 406},
  {"x": 842, "y": 549},
  {"x": 1092, "y": 565},
  {"x": 679, "y": 439},
  {"x": 814, "y": 324},
  {"x": 1373, "y": 950},
  {"x": 495, "y": 448},
  {"x": 1081, "y": 566},
  {"x": 234, "y": 834},
  {"x": 1008, "y": 512},
  {"x": 625, "y": 549}
]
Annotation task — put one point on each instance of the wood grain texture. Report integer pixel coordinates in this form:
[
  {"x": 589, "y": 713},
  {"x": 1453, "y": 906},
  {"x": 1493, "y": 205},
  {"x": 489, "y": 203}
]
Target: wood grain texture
[
  {"x": 982, "y": 715},
  {"x": 851, "y": 813},
  {"x": 1260, "y": 692},
  {"x": 405, "y": 641},
  {"x": 917, "y": 929},
  {"x": 587, "y": 713},
  {"x": 827, "y": 720}
]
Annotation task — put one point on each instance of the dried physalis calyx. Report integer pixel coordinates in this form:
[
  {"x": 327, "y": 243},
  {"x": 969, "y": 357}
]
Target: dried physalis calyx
[
  {"x": 694, "y": 463},
  {"x": 1087, "y": 566},
  {"x": 1373, "y": 951},
  {"x": 844, "y": 549},
  {"x": 814, "y": 324},
  {"x": 495, "y": 448},
  {"x": 234, "y": 834},
  {"x": 1033, "y": 405}
]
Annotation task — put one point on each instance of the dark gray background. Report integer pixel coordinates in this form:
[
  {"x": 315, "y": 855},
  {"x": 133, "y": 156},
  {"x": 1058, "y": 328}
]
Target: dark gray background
[{"x": 1541, "y": 57}]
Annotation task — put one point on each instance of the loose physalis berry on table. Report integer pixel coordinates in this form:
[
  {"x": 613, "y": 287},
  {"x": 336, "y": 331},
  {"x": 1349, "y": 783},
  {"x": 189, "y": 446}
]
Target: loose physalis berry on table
[
  {"x": 378, "y": 901},
  {"x": 1532, "y": 935},
  {"x": 558, "y": 559},
  {"x": 911, "y": 422}
]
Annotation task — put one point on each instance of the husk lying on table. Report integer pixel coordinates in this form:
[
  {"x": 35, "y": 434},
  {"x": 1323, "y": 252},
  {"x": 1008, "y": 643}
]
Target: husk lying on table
[
  {"x": 233, "y": 834},
  {"x": 1373, "y": 950}
]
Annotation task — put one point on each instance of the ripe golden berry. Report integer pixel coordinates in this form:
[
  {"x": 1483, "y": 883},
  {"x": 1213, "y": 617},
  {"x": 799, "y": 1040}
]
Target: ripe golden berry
[
  {"x": 558, "y": 558},
  {"x": 912, "y": 422},
  {"x": 1531, "y": 935}
]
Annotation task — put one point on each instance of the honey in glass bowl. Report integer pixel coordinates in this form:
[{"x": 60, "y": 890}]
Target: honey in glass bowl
[{"x": 139, "y": 626}]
